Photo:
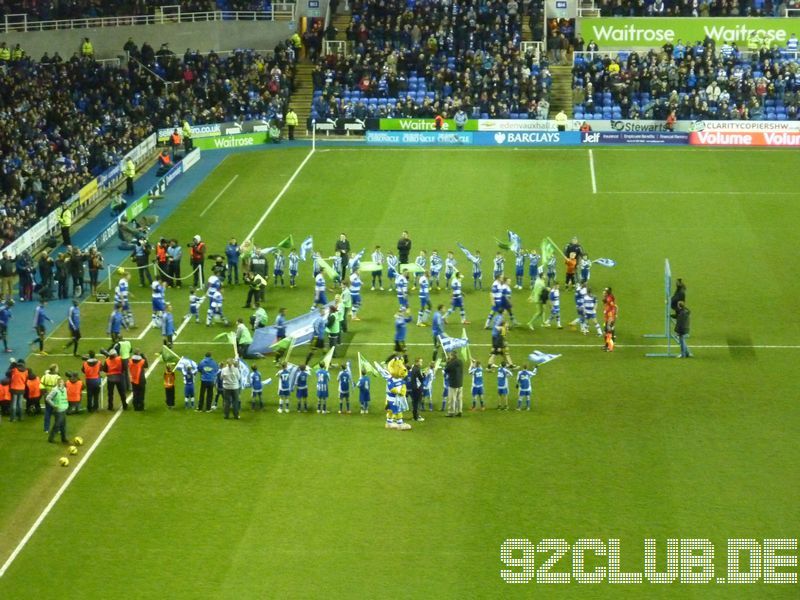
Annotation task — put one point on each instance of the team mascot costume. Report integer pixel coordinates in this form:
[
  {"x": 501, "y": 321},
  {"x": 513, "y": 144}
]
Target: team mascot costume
[{"x": 396, "y": 401}]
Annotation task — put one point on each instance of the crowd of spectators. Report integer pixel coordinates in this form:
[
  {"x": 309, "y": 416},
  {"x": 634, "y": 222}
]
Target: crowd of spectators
[
  {"x": 691, "y": 8},
  {"x": 692, "y": 81},
  {"x": 52, "y": 10},
  {"x": 62, "y": 122},
  {"x": 418, "y": 59}
]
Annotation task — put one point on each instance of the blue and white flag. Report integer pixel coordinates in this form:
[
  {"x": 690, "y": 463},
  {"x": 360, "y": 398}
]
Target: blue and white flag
[
  {"x": 514, "y": 242},
  {"x": 605, "y": 262},
  {"x": 244, "y": 374},
  {"x": 307, "y": 247},
  {"x": 186, "y": 364},
  {"x": 540, "y": 358},
  {"x": 353, "y": 264},
  {"x": 451, "y": 344},
  {"x": 471, "y": 257}
]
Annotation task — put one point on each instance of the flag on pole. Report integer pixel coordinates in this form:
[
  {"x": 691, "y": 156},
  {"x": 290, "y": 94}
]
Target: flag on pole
[
  {"x": 514, "y": 242},
  {"x": 369, "y": 267},
  {"x": 410, "y": 268},
  {"x": 289, "y": 351},
  {"x": 451, "y": 344},
  {"x": 283, "y": 344},
  {"x": 268, "y": 250},
  {"x": 244, "y": 374},
  {"x": 286, "y": 243},
  {"x": 503, "y": 245},
  {"x": 466, "y": 355},
  {"x": 355, "y": 260},
  {"x": 365, "y": 366},
  {"x": 168, "y": 355},
  {"x": 383, "y": 372},
  {"x": 326, "y": 360},
  {"x": 549, "y": 249},
  {"x": 605, "y": 262},
  {"x": 329, "y": 271},
  {"x": 540, "y": 358},
  {"x": 228, "y": 336},
  {"x": 186, "y": 363},
  {"x": 306, "y": 248},
  {"x": 472, "y": 258}
]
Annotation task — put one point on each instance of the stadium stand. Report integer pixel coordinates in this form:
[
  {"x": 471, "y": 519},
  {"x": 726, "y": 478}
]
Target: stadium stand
[
  {"x": 63, "y": 122},
  {"x": 696, "y": 81},
  {"x": 689, "y": 8},
  {"x": 420, "y": 59},
  {"x": 88, "y": 9}
]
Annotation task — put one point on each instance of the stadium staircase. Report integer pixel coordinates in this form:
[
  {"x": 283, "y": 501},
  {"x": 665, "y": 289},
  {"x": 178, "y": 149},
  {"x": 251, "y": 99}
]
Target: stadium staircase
[
  {"x": 301, "y": 98},
  {"x": 561, "y": 90},
  {"x": 304, "y": 85}
]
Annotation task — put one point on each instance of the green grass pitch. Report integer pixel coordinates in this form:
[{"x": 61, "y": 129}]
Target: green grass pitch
[{"x": 177, "y": 504}]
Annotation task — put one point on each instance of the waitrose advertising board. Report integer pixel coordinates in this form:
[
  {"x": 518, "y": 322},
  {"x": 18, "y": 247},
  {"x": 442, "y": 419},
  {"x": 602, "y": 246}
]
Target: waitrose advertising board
[{"x": 646, "y": 32}]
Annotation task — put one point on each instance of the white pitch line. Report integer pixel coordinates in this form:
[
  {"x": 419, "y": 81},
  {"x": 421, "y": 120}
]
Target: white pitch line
[
  {"x": 591, "y": 170},
  {"x": 217, "y": 197},
  {"x": 26, "y": 538},
  {"x": 279, "y": 196}
]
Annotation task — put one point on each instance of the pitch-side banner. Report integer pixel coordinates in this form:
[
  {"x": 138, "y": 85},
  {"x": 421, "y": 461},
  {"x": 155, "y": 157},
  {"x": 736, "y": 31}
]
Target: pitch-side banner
[
  {"x": 775, "y": 139},
  {"x": 651, "y": 32}
]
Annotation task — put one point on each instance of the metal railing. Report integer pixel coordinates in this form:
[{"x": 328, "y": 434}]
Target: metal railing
[
  {"x": 281, "y": 11},
  {"x": 536, "y": 47},
  {"x": 337, "y": 47}
]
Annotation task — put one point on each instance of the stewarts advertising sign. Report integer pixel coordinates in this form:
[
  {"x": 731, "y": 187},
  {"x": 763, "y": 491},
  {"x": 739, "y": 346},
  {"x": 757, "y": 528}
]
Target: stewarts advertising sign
[{"x": 648, "y": 32}]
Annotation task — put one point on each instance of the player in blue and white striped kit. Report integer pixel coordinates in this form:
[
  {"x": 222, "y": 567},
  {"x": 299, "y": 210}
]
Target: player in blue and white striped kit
[
  {"x": 284, "y": 388},
  {"x": 525, "y": 387},
  {"x": 157, "y": 301},
  {"x": 457, "y": 299},
  {"x": 519, "y": 267},
  {"x": 121, "y": 297},
  {"x": 363, "y": 386},
  {"x": 422, "y": 262},
  {"x": 194, "y": 305},
  {"x": 498, "y": 265},
  {"x": 449, "y": 267},
  {"x": 345, "y": 379},
  {"x": 320, "y": 299},
  {"x": 425, "y": 305},
  {"x": 337, "y": 267},
  {"x": 590, "y": 312},
  {"x": 377, "y": 276},
  {"x": 355, "y": 295},
  {"x": 555, "y": 306},
  {"x": 294, "y": 267},
  {"x": 551, "y": 270},
  {"x": 497, "y": 300},
  {"x": 533, "y": 266},
  {"x": 579, "y": 320},
  {"x": 477, "y": 273},
  {"x": 476, "y": 370},
  {"x": 436, "y": 269},
  {"x": 323, "y": 378},
  {"x": 301, "y": 388},
  {"x": 188, "y": 369},
  {"x": 215, "y": 301},
  {"x": 586, "y": 269},
  {"x": 401, "y": 287},
  {"x": 278, "y": 266},
  {"x": 503, "y": 376},
  {"x": 392, "y": 264},
  {"x": 256, "y": 389},
  {"x": 427, "y": 386}
]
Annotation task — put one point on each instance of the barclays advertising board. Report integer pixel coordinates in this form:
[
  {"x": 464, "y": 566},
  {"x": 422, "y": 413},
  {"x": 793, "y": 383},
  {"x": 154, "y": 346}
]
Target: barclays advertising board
[{"x": 528, "y": 138}]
